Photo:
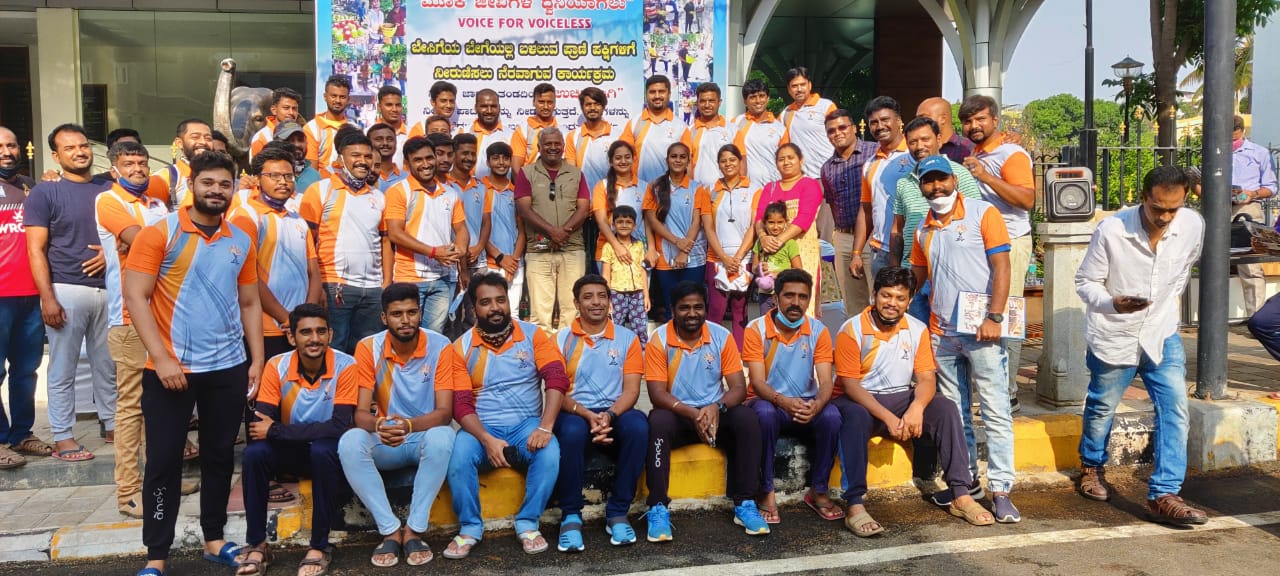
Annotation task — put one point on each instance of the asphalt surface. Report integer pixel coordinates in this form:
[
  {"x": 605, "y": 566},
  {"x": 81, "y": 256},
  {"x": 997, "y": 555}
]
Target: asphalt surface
[{"x": 709, "y": 539}]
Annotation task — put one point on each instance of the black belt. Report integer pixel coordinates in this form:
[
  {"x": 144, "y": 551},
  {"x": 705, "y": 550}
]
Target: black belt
[{"x": 844, "y": 230}]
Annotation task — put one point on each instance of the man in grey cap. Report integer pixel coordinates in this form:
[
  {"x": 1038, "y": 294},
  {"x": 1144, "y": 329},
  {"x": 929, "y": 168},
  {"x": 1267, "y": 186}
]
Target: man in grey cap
[{"x": 305, "y": 175}]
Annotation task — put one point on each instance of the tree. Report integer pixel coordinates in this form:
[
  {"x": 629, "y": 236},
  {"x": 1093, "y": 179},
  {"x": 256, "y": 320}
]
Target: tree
[
  {"x": 1177, "y": 38},
  {"x": 1056, "y": 121},
  {"x": 1243, "y": 76}
]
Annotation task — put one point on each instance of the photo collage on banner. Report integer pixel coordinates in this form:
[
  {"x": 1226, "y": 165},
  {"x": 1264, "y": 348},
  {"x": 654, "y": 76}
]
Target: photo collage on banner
[{"x": 512, "y": 45}]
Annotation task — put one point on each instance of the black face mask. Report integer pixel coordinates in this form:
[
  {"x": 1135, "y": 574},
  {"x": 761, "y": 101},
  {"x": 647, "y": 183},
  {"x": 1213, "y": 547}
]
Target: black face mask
[{"x": 882, "y": 320}]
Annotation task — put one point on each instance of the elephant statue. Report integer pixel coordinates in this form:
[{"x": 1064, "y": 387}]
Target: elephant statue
[{"x": 239, "y": 111}]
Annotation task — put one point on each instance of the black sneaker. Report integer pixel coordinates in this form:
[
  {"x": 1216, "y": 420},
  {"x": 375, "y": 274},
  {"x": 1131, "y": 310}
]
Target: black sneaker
[
  {"x": 1014, "y": 406},
  {"x": 943, "y": 498}
]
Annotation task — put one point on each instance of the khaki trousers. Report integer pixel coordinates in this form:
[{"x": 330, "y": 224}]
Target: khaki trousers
[
  {"x": 549, "y": 280},
  {"x": 1019, "y": 261},
  {"x": 130, "y": 357}
]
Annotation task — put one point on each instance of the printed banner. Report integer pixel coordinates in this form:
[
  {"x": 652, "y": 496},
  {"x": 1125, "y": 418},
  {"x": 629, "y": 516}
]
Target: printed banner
[{"x": 512, "y": 45}]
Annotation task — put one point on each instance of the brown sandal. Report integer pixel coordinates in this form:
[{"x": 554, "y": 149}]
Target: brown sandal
[
  {"x": 323, "y": 562},
  {"x": 10, "y": 459},
  {"x": 972, "y": 513},
  {"x": 255, "y": 567},
  {"x": 32, "y": 446},
  {"x": 1171, "y": 509},
  {"x": 1093, "y": 484}
]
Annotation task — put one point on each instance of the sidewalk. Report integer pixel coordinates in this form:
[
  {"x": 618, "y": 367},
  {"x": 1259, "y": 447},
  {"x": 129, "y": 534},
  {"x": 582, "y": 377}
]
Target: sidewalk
[{"x": 65, "y": 510}]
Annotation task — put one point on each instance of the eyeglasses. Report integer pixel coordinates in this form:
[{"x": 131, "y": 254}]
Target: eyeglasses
[
  {"x": 839, "y": 128},
  {"x": 277, "y": 176}
]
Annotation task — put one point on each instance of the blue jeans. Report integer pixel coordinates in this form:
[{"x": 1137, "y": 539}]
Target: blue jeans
[
  {"x": 963, "y": 364},
  {"x": 630, "y": 438},
  {"x": 21, "y": 349},
  {"x": 435, "y": 297},
  {"x": 1166, "y": 384},
  {"x": 879, "y": 260},
  {"x": 353, "y": 314},
  {"x": 363, "y": 455},
  {"x": 469, "y": 458},
  {"x": 919, "y": 308}
]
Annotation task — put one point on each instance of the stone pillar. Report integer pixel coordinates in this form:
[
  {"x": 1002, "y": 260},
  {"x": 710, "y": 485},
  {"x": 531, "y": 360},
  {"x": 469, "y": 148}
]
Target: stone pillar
[
  {"x": 1062, "y": 379},
  {"x": 58, "y": 65}
]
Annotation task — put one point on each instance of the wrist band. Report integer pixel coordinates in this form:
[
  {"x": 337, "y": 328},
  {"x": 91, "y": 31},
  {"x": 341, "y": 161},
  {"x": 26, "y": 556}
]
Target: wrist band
[
  {"x": 433, "y": 253},
  {"x": 673, "y": 406},
  {"x": 378, "y": 423},
  {"x": 408, "y": 423},
  {"x": 498, "y": 258},
  {"x": 544, "y": 430}
]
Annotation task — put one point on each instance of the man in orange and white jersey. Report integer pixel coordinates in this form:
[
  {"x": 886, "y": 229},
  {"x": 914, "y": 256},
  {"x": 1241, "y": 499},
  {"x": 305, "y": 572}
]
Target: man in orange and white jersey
[
  {"x": 758, "y": 134},
  {"x": 524, "y": 143},
  {"x": 444, "y": 103},
  {"x": 194, "y": 137},
  {"x": 655, "y": 130},
  {"x": 488, "y": 126},
  {"x": 391, "y": 113},
  {"x": 587, "y": 146},
  {"x": 286, "y": 106},
  {"x": 321, "y": 131},
  {"x": 805, "y": 121},
  {"x": 709, "y": 133}
]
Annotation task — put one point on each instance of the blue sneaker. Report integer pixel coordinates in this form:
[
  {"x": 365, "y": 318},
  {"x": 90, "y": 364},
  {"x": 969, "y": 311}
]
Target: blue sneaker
[
  {"x": 571, "y": 534},
  {"x": 748, "y": 517},
  {"x": 620, "y": 533},
  {"x": 943, "y": 498},
  {"x": 1003, "y": 509},
  {"x": 659, "y": 523}
]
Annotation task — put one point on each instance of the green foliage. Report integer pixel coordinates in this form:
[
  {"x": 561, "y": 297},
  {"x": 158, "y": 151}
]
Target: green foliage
[
  {"x": 776, "y": 93},
  {"x": 1250, "y": 14},
  {"x": 1056, "y": 121},
  {"x": 1143, "y": 95}
]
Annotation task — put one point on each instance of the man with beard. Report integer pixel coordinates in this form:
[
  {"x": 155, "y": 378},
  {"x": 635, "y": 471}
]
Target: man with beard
[
  {"x": 288, "y": 269},
  {"x": 587, "y": 146},
  {"x": 1003, "y": 169},
  {"x": 391, "y": 113},
  {"x": 387, "y": 170},
  {"x": 687, "y": 364},
  {"x": 842, "y": 189},
  {"x": 952, "y": 145},
  {"x": 425, "y": 221},
  {"x": 408, "y": 378},
  {"x": 442, "y": 147},
  {"x": 20, "y": 322},
  {"x": 286, "y": 106},
  {"x": 345, "y": 213},
  {"x": 784, "y": 350},
  {"x": 505, "y": 421},
  {"x": 758, "y": 134},
  {"x": 804, "y": 118},
  {"x": 322, "y": 130},
  {"x": 524, "y": 143},
  {"x": 488, "y": 126},
  {"x": 1131, "y": 280},
  {"x": 195, "y": 353},
  {"x": 194, "y": 137},
  {"x": 552, "y": 199},
  {"x": 121, "y": 213},
  {"x": 708, "y": 135},
  {"x": 292, "y": 134},
  {"x": 963, "y": 246},
  {"x": 306, "y": 402},
  {"x": 67, "y": 265},
  {"x": 605, "y": 364},
  {"x": 878, "y": 355},
  {"x": 656, "y": 129},
  {"x": 879, "y": 184}
]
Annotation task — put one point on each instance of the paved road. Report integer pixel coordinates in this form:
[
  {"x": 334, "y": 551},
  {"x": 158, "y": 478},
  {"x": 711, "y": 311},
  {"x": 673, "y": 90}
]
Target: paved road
[{"x": 1063, "y": 534}]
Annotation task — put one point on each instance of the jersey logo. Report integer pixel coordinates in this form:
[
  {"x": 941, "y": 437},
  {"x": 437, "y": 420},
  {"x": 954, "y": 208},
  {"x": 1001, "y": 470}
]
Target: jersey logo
[
  {"x": 523, "y": 357},
  {"x": 236, "y": 253},
  {"x": 709, "y": 360},
  {"x": 613, "y": 356},
  {"x": 804, "y": 349}
]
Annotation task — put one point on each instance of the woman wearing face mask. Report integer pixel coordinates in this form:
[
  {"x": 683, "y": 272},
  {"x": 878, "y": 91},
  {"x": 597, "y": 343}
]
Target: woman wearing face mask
[
  {"x": 803, "y": 197},
  {"x": 673, "y": 207},
  {"x": 730, "y": 237},
  {"x": 620, "y": 187}
]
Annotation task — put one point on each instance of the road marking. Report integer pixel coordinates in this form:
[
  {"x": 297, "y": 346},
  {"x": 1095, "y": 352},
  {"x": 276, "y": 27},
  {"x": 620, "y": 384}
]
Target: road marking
[{"x": 1004, "y": 541}]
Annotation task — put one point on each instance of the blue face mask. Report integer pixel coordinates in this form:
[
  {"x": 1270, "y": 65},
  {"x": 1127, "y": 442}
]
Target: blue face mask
[
  {"x": 277, "y": 205},
  {"x": 8, "y": 173},
  {"x": 782, "y": 319},
  {"x": 136, "y": 190},
  {"x": 356, "y": 184}
]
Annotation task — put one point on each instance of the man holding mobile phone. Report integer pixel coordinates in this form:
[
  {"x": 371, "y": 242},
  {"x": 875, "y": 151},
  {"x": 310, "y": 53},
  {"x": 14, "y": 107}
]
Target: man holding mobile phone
[{"x": 1133, "y": 273}]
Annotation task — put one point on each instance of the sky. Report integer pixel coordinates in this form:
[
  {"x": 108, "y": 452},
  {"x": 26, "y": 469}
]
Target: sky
[{"x": 1050, "y": 58}]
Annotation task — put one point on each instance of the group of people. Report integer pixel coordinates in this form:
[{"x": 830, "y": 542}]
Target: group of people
[{"x": 352, "y": 301}]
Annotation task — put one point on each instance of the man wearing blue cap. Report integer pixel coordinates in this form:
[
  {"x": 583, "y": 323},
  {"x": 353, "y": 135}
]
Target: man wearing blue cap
[{"x": 963, "y": 246}]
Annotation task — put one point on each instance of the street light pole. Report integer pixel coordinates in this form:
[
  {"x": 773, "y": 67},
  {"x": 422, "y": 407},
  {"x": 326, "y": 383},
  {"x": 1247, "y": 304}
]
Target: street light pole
[
  {"x": 1128, "y": 87},
  {"x": 1219, "y": 64},
  {"x": 1089, "y": 136}
]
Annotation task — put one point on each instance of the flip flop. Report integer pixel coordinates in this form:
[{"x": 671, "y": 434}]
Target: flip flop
[
  {"x": 150, "y": 572},
  {"x": 10, "y": 459},
  {"x": 388, "y": 546},
  {"x": 856, "y": 522},
  {"x": 190, "y": 451},
  {"x": 828, "y": 512},
  {"x": 529, "y": 542},
  {"x": 277, "y": 493},
  {"x": 77, "y": 454},
  {"x": 460, "y": 547},
  {"x": 226, "y": 556},
  {"x": 323, "y": 562},
  {"x": 415, "y": 545}
]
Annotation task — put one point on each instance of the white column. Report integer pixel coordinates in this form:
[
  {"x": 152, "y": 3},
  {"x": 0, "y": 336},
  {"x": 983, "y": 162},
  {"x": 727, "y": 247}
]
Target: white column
[
  {"x": 58, "y": 88},
  {"x": 1062, "y": 379}
]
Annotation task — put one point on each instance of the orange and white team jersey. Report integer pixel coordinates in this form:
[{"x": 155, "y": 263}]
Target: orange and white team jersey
[
  {"x": 806, "y": 123},
  {"x": 883, "y": 361},
  {"x": 879, "y": 184},
  {"x": 408, "y": 388},
  {"x": 117, "y": 210},
  {"x": 350, "y": 231},
  {"x": 177, "y": 188},
  {"x": 202, "y": 328},
  {"x": 734, "y": 212},
  {"x": 650, "y": 135},
  {"x": 429, "y": 216},
  {"x": 707, "y": 139},
  {"x": 485, "y": 137},
  {"x": 302, "y": 401},
  {"x": 955, "y": 252},
  {"x": 524, "y": 142},
  {"x": 322, "y": 151},
  {"x": 1013, "y": 165},
  {"x": 588, "y": 149},
  {"x": 402, "y": 134},
  {"x": 262, "y": 137},
  {"x": 285, "y": 249},
  {"x": 758, "y": 139}
]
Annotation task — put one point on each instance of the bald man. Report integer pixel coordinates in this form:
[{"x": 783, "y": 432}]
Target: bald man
[{"x": 954, "y": 146}]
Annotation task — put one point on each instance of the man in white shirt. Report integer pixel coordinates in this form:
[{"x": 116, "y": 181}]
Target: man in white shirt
[{"x": 1131, "y": 278}]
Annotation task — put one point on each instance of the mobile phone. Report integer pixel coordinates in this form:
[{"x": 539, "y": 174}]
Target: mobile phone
[
  {"x": 511, "y": 453},
  {"x": 1139, "y": 300}
]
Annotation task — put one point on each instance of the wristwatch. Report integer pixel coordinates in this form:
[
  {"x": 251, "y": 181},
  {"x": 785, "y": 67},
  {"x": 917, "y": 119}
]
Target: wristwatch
[
  {"x": 720, "y": 406},
  {"x": 994, "y": 317}
]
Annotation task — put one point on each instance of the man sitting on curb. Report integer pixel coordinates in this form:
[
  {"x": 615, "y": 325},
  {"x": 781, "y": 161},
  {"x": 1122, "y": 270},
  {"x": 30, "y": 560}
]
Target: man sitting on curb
[
  {"x": 782, "y": 351},
  {"x": 306, "y": 401},
  {"x": 409, "y": 375},
  {"x": 686, "y": 365},
  {"x": 503, "y": 416},
  {"x": 605, "y": 364},
  {"x": 878, "y": 353}
]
